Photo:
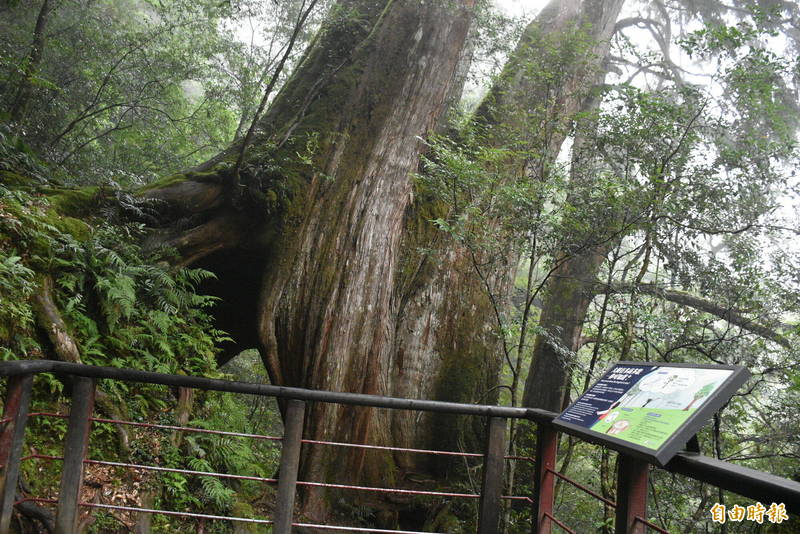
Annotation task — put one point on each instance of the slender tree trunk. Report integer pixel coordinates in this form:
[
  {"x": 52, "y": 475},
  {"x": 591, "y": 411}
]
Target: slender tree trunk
[
  {"x": 569, "y": 292},
  {"x": 563, "y": 315},
  {"x": 22, "y": 96}
]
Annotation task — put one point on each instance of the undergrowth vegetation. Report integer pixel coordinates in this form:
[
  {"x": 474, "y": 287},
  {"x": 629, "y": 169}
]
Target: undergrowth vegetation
[{"x": 119, "y": 304}]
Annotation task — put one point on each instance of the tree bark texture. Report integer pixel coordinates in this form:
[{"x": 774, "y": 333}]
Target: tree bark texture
[
  {"x": 447, "y": 328},
  {"x": 327, "y": 311},
  {"x": 319, "y": 224}
]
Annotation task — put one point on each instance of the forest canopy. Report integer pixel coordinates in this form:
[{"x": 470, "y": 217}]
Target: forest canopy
[{"x": 460, "y": 201}]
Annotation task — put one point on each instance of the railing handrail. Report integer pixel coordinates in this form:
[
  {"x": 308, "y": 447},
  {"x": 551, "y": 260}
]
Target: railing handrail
[
  {"x": 22, "y": 367},
  {"x": 757, "y": 485}
]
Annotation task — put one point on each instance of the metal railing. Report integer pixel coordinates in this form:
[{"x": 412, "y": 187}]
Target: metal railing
[{"x": 632, "y": 473}]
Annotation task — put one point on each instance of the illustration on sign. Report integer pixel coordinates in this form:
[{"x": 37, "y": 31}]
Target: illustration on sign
[{"x": 644, "y": 404}]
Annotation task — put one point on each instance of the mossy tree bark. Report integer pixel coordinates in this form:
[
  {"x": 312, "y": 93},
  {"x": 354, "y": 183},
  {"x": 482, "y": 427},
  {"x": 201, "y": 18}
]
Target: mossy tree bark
[{"x": 317, "y": 228}]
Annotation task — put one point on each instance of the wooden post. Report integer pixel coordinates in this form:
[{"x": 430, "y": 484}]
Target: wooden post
[
  {"x": 290, "y": 461},
  {"x": 15, "y": 413},
  {"x": 493, "y": 464},
  {"x": 544, "y": 479},
  {"x": 75, "y": 446},
  {"x": 632, "y": 476}
]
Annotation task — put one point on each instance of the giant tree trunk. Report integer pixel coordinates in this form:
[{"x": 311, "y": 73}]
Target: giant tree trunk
[
  {"x": 447, "y": 327},
  {"x": 317, "y": 227}
]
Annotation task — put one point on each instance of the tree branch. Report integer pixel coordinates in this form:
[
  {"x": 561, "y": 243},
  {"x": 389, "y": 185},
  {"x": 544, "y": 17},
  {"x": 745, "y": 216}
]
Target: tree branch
[
  {"x": 49, "y": 319},
  {"x": 686, "y": 299},
  {"x": 289, "y": 47}
]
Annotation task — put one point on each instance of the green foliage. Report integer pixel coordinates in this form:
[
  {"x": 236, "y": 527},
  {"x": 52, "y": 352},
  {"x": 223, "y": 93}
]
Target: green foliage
[
  {"x": 136, "y": 89},
  {"x": 18, "y": 164},
  {"x": 127, "y": 307},
  {"x": 223, "y": 453},
  {"x": 701, "y": 176},
  {"x": 214, "y": 491},
  {"x": 681, "y": 184},
  {"x": 16, "y": 287},
  {"x": 123, "y": 306},
  {"x": 756, "y": 80}
]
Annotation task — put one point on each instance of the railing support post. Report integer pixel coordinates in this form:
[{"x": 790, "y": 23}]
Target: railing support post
[
  {"x": 544, "y": 479},
  {"x": 290, "y": 461},
  {"x": 492, "y": 489},
  {"x": 75, "y": 447},
  {"x": 632, "y": 476},
  {"x": 15, "y": 413}
]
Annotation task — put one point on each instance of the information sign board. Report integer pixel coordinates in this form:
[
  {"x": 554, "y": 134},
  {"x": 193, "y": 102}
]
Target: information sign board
[{"x": 651, "y": 409}]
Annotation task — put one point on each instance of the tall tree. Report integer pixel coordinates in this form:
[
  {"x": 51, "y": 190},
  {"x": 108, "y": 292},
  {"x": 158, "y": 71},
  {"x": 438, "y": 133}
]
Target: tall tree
[
  {"x": 327, "y": 222},
  {"x": 661, "y": 165},
  {"x": 30, "y": 66},
  {"x": 319, "y": 214}
]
